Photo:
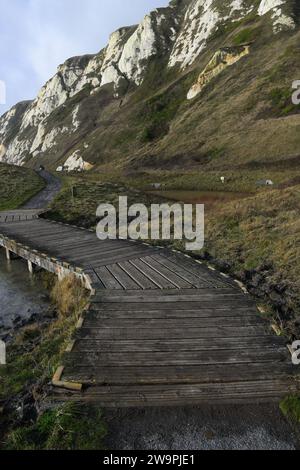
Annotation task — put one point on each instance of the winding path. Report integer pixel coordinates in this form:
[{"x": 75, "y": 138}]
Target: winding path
[{"x": 161, "y": 329}]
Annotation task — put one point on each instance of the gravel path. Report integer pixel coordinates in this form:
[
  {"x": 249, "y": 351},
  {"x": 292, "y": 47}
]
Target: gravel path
[
  {"x": 206, "y": 428},
  {"x": 44, "y": 197}
]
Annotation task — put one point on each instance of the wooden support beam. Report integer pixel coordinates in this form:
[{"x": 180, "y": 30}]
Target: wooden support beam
[
  {"x": 57, "y": 382},
  {"x": 30, "y": 267}
]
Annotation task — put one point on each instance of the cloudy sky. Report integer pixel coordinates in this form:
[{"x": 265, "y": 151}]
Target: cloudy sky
[{"x": 38, "y": 35}]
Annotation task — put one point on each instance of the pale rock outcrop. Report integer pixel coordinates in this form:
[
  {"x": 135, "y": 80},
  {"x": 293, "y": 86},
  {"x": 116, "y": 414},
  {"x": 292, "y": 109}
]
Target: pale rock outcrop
[
  {"x": 70, "y": 78},
  {"x": 220, "y": 61},
  {"x": 76, "y": 163},
  {"x": 139, "y": 47},
  {"x": 38, "y": 140},
  {"x": 10, "y": 124},
  {"x": 91, "y": 75},
  {"x": 2, "y": 151},
  {"x": 151, "y": 35},
  {"x": 203, "y": 18},
  {"x": 110, "y": 71},
  {"x": 280, "y": 19},
  {"x": 75, "y": 118},
  {"x": 267, "y": 5},
  {"x": 17, "y": 151},
  {"x": 45, "y": 141},
  {"x": 50, "y": 139},
  {"x": 51, "y": 96},
  {"x": 5, "y": 121}
]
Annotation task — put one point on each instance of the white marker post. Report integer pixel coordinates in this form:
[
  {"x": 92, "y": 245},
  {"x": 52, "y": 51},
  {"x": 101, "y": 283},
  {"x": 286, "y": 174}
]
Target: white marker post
[{"x": 2, "y": 353}]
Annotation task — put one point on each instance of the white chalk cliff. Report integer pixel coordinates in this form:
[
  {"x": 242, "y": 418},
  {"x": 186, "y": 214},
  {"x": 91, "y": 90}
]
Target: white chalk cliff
[{"x": 178, "y": 35}]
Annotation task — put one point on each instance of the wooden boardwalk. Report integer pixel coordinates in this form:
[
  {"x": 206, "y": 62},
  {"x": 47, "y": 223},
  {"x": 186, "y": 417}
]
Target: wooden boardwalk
[
  {"x": 20, "y": 215},
  {"x": 161, "y": 328}
]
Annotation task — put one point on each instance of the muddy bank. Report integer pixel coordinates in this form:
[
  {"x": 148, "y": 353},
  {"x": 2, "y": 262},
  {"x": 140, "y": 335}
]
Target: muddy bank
[
  {"x": 23, "y": 296},
  {"x": 267, "y": 286},
  {"x": 211, "y": 199}
]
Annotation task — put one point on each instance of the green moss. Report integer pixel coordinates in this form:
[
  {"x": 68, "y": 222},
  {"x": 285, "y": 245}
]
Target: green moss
[
  {"x": 230, "y": 26},
  {"x": 158, "y": 110},
  {"x": 217, "y": 152},
  {"x": 245, "y": 36},
  {"x": 68, "y": 427},
  {"x": 281, "y": 101},
  {"x": 290, "y": 407}
]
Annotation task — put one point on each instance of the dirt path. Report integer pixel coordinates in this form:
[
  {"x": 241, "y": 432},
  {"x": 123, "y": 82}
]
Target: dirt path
[{"x": 44, "y": 197}]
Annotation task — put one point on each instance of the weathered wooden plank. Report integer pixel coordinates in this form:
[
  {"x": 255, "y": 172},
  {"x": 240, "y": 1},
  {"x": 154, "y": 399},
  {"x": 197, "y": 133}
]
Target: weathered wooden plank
[
  {"x": 194, "y": 394},
  {"x": 199, "y": 344},
  {"x": 165, "y": 272},
  {"x": 94, "y": 278},
  {"x": 189, "y": 333},
  {"x": 119, "y": 254},
  {"x": 178, "y": 374},
  {"x": 139, "y": 277},
  {"x": 110, "y": 311},
  {"x": 64, "y": 240},
  {"x": 167, "y": 391},
  {"x": 196, "y": 281},
  {"x": 126, "y": 281},
  {"x": 154, "y": 276},
  {"x": 204, "y": 299},
  {"x": 140, "y": 358},
  {"x": 189, "y": 293},
  {"x": 170, "y": 323},
  {"x": 199, "y": 270},
  {"x": 89, "y": 247},
  {"x": 107, "y": 279}
]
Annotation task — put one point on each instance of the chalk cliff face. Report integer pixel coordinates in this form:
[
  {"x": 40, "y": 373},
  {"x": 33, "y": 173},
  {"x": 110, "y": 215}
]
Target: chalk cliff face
[{"x": 170, "y": 42}]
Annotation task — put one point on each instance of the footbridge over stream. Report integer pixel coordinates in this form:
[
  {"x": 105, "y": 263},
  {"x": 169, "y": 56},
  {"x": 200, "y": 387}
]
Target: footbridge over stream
[{"x": 161, "y": 328}]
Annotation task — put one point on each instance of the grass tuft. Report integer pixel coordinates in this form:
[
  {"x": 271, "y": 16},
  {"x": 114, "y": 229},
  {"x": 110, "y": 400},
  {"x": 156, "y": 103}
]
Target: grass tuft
[
  {"x": 290, "y": 407},
  {"x": 68, "y": 427}
]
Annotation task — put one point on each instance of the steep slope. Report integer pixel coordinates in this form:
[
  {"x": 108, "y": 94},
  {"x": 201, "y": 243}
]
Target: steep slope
[{"x": 127, "y": 107}]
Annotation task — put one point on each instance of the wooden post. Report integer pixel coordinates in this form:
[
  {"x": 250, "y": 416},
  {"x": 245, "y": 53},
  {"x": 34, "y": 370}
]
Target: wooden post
[
  {"x": 30, "y": 267},
  {"x": 7, "y": 254}
]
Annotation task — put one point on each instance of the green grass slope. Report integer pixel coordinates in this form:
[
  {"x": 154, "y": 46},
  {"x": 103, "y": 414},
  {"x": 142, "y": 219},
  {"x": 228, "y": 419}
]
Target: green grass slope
[{"x": 17, "y": 185}]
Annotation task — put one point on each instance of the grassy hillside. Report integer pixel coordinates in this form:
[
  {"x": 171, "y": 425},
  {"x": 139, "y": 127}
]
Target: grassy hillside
[
  {"x": 259, "y": 240},
  {"x": 243, "y": 119},
  {"x": 17, "y": 185}
]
